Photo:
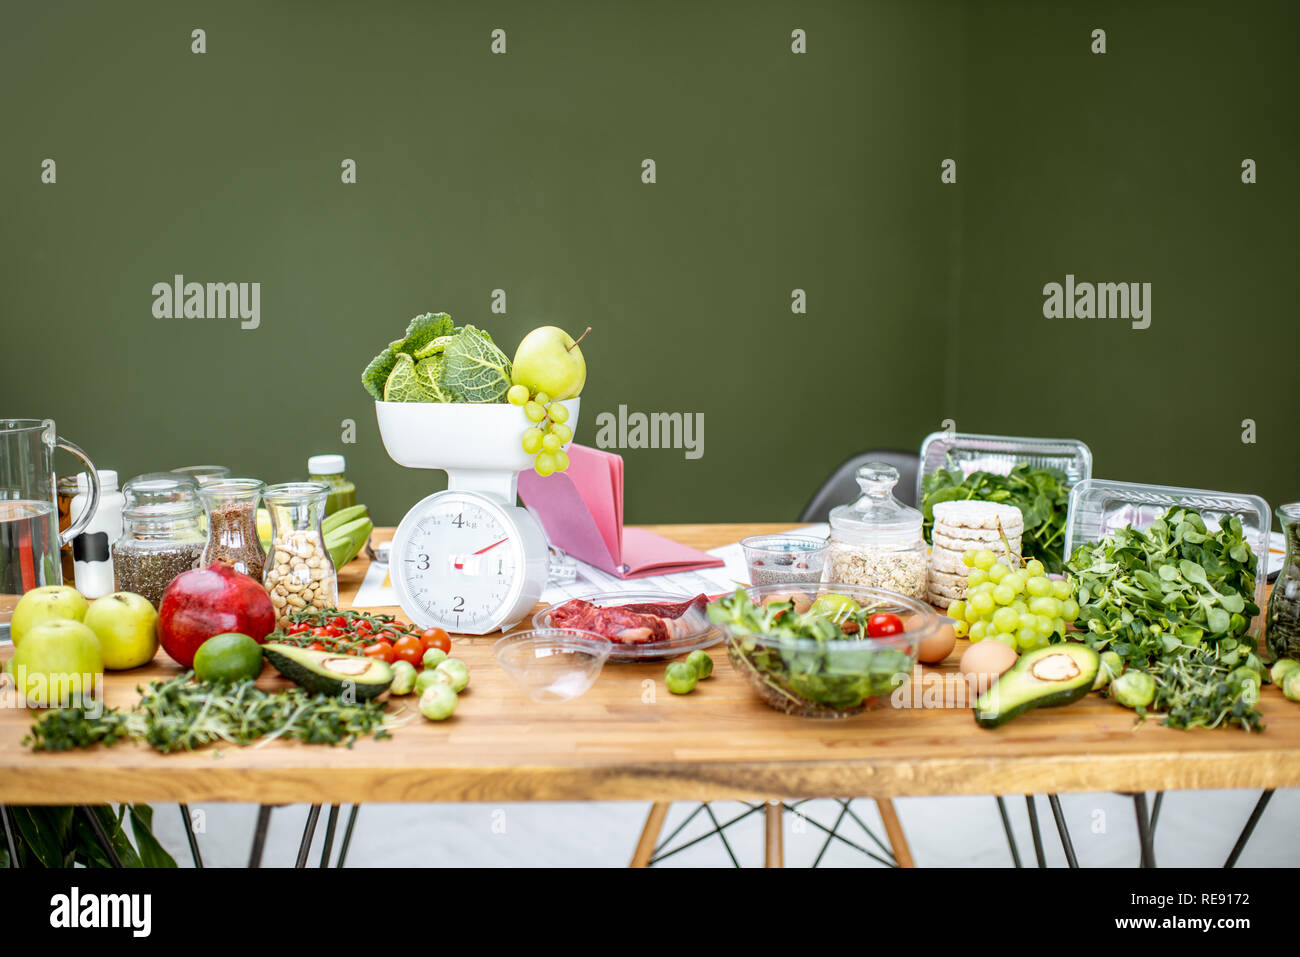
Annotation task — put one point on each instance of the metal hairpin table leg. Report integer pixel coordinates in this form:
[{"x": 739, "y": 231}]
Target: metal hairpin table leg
[
  {"x": 189, "y": 836},
  {"x": 1064, "y": 831},
  {"x": 1033, "y": 830},
  {"x": 330, "y": 826},
  {"x": 10, "y": 844},
  {"x": 1145, "y": 840},
  {"x": 347, "y": 835},
  {"x": 308, "y": 833},
  {"x": 1155, "y": 811},
  {"x": 1011, "y": 835},
  {"x": 1249, "y": 828},
  {"x": 259, "y": 836},
  {"x": 101, "y": 835}
]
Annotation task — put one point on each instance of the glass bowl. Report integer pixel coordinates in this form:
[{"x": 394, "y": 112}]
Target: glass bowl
[
  {"x": 553, "y": 664},
  {"x": 697, "y": 633},
  {"x": 833, "y": 678},
  {"x": 784, "y": 559}
]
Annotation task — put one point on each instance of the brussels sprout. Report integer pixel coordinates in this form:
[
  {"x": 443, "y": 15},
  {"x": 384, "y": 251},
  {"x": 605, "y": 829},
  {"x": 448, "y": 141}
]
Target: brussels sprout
[
  {"x": 1281, "y": 668},
  {"x": 403, "y": 678},
  {"x": 434, "y": 657},
  {"x": 438, "y": 701},
  {"x": 1134, "y": 689},
  {"x": 456, "y": 673},
  {"x": 681, "y": 677},
  {"x": 1291, "y": 685},
  {"x": 701, "y": 662},
  {"x": 427, "y": 679},
  {"x": 1112, "y": 666}
]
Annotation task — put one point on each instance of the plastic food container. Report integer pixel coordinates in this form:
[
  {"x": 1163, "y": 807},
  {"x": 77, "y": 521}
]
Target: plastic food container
[
  {"x": 998, "y": 453},
  {"x": 784, "y": 559},
  {"x": 831, "y": 679},
  {"x": 1099, "y": 507},
  {"x": 877, "y": 541},
  {"x": 553, "y": 664},
  {"x": 700, "y": 632}
]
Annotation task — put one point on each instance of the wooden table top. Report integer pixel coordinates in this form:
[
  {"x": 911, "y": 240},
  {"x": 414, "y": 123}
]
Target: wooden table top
[{"x": 629, "y": 739}]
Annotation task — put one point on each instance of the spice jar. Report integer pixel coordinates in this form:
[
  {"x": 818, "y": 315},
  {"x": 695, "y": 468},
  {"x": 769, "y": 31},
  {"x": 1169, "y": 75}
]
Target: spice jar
[
  {"x": 877, "y": 540},
  {"x": 203, "y": 474},
  {"x": 161, "y": 536},
  {"x": 299, "y": 574},
  {"x": 329, "y": 469},
  {"x": 231, "y": 506}
]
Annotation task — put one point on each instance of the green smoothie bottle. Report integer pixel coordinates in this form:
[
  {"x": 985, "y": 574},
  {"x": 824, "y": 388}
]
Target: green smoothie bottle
[{"x": 329, "y": 469}]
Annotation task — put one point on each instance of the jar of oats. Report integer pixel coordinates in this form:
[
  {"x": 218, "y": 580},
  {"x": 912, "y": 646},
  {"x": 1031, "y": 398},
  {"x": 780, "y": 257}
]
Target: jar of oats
[
  {"x": 299, "y": 574},
  {"x": 877, "y": 540}
]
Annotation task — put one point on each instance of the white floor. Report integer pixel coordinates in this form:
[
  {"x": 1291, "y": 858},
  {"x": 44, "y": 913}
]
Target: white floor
[{"x": 1195, "y": 829}]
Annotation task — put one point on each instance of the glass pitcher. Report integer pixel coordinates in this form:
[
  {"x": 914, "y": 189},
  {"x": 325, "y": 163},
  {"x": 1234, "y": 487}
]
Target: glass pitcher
[{"x": 29, "y": 520}]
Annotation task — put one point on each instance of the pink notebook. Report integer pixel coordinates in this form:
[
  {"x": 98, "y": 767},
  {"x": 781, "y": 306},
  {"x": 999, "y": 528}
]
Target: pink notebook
[{"x": 582, "y": 512}]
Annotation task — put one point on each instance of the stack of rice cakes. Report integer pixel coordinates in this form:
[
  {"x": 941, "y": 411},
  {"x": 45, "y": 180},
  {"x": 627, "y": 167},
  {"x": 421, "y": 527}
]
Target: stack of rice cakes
[{"x": 959, "y": 526}]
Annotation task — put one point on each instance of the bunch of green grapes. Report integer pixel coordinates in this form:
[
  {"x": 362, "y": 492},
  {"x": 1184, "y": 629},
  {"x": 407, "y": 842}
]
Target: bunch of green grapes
[
  {"x": 1021, "y": 608},
  {"x": 548, "y": 435}
]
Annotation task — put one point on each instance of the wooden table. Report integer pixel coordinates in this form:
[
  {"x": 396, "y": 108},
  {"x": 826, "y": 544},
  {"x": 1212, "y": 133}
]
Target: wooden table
[{"x": 628, "y": 739}]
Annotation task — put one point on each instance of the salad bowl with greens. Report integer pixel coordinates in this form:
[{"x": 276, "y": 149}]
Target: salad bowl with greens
[{"x": 822, "y": 650}]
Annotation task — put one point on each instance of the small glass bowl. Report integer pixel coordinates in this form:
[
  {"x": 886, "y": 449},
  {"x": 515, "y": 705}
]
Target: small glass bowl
[
  {"x": 784, "y": 559},
  {"x": 553, "y": 664}
]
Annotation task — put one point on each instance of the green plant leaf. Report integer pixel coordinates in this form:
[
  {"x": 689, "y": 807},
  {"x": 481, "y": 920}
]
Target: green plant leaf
[
  {"x": 152, "y": 854},
  {"x": 476, "y": 370}
]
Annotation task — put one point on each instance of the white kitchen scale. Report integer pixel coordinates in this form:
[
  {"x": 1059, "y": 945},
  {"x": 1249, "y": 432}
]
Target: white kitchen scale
[{"x": 468, "y": 559}]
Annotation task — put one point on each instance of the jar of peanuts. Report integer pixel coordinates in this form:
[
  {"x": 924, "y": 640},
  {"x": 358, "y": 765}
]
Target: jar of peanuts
[{"x": 299, "y": 574}]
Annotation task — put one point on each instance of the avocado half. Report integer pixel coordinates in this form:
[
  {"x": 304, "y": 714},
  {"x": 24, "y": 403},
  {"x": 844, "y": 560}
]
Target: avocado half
[
  {"x": 1042, "y": 678},
  {"x": 324, "y": 672}
]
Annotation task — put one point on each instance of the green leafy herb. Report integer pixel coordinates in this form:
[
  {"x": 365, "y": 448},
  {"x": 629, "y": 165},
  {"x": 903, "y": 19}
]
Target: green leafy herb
[
  {"x": 1041, "y": 495},
  {"x": 182, "y": 715},
  {"x": 839, "y": 671},
  {"x": 1176, "y": 601}
]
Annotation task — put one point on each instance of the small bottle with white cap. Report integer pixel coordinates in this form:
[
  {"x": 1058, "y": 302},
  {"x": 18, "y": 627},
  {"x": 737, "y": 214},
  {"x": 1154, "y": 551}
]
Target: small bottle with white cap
[
  {"x": 329, "y": 469},
  {"x": 92, "y": 554}
]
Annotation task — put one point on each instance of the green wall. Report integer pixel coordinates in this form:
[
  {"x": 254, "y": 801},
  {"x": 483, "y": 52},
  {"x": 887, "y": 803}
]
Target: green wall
[{"x": 775, "y": 171}]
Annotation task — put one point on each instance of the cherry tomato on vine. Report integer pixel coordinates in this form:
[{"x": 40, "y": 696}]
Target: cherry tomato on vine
[
  {"x": 297, "y": 629},
  {"x": 436, "y": 638},
  {"x": 340, "y": 623},
  {"x": 324, "y": 632},
  {"x": 884, "y": 625},
  {"x": 381, "y": 650},
  {"x": 315, "y": 646},
  {"x": 408, "y": 648}
]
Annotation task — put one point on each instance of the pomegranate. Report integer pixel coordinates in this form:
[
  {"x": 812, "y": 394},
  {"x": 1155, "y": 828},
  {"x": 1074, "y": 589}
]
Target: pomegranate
[{"x": 211, "y": 601}]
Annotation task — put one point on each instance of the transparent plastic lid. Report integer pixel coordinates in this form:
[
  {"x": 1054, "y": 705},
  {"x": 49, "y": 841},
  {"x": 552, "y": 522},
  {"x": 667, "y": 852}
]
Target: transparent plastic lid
[{"x": 877, "y": 518}]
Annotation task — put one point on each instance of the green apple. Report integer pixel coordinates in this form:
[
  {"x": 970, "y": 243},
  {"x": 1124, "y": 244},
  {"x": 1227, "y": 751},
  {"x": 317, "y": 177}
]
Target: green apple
[
  {"x": 58, "y": 659},
  {"x": 549, "y": 360},
  {"x": 48, "y": 603},
  {"x": 127, "y": 628}
]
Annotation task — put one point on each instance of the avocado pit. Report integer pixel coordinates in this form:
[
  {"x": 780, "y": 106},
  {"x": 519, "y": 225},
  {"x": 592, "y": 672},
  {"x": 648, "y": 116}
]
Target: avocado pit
[{"x": 1059, "y": 667}]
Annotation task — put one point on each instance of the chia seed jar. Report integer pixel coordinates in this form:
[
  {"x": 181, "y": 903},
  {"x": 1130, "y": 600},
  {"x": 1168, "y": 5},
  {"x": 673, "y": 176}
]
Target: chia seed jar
[{"x": 161, "y": 534}]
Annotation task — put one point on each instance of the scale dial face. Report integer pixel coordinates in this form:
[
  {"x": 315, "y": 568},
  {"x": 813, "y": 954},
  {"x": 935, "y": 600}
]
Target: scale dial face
[{"x": 458, "y": 562}]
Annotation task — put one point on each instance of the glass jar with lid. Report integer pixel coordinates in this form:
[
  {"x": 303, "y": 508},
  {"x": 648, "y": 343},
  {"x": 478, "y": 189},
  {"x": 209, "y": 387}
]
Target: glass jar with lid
[
  {"x": 231, "y": 506},
  {"x": 329, "y": 469},
  {"x": 877, "y": 540},
  {"x": 161, "y": 534},
  {"x": 299, "y": 574}
]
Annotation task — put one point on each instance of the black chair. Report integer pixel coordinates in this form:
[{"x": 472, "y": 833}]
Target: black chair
[{"x": 842, "y": 486}]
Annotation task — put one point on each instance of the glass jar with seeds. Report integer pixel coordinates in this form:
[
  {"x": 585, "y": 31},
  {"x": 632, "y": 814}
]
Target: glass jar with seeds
[
  {"x": 784, "y": 559},
  {"x": 299, "y": 573},
  {"x": 159, "y": 541},
  {"x": 231, "y": 506},
  {"x": 877, "y": 540}
]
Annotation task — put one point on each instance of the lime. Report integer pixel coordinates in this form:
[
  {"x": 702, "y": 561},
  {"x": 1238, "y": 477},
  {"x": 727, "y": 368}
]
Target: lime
[
  {"x": 228, "y": 658},
  {"x": 833, "y": 606}
]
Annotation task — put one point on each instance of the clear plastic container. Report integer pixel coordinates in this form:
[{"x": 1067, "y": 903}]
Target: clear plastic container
[
  {"x": 300, "y": 574},
  {"x": 999, "y": 453},
  {"x": 784, "y": 559},
  {"x": 876, "y": 542},
  {"x": 697, "y": 630},
  {"x": 1099, "y": 507},
  {"x": 553, "y": 664}
]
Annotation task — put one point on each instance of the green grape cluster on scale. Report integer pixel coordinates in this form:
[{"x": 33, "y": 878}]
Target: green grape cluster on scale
[
  {"x": 1022, "y": 608},
  {"x": 548, "y": 434}
]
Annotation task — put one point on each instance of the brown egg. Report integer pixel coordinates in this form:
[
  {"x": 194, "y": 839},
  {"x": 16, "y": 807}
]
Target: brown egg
[
  {"x": 987, "y": 660},
  {"x": 939, "y": 645}
]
